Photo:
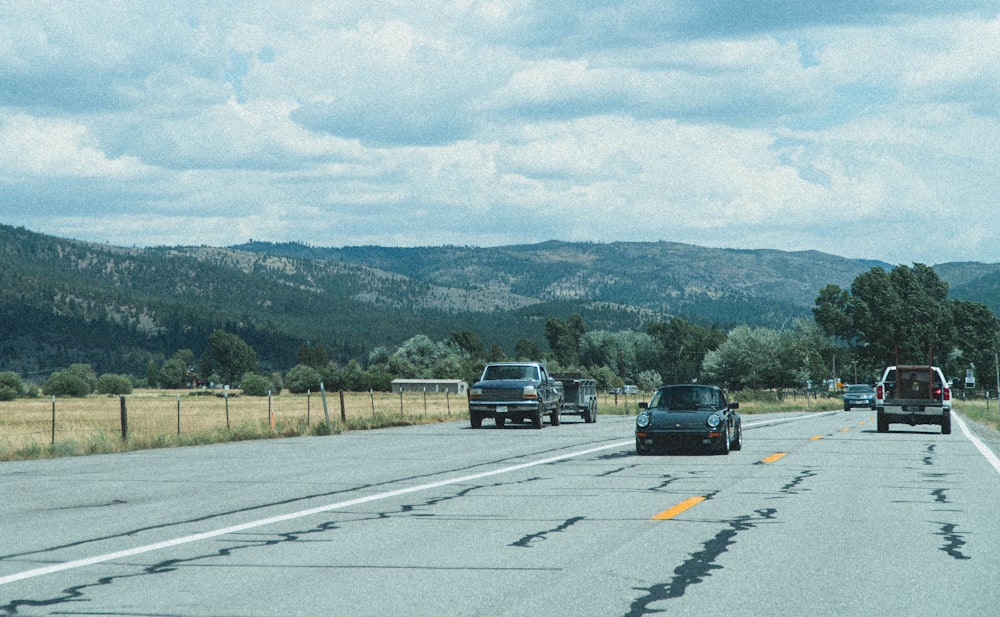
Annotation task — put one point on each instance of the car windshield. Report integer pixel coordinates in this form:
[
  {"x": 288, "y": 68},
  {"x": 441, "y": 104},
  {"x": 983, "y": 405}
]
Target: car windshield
[
  {"x": 687, "y": 398},
  {"x": 511, "y": 372},
  {"x": 859, "y": 389}
]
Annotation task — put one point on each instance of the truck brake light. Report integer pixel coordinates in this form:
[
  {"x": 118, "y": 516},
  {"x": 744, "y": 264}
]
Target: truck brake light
[
  {"x": 880, "y": 391},
  {"x": 947, "y": 393}
]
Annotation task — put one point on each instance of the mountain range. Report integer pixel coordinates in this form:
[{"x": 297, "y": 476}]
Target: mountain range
[{"x": 120, "y": 308}]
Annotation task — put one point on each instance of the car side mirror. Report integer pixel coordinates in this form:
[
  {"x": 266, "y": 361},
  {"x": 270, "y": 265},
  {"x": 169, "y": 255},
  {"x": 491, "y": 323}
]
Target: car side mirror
[
  {"x": 644, "y": 405},
  {"x": 734, "y": 405}
]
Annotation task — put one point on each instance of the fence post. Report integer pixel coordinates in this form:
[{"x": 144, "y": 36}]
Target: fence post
[
  {"x": 270, "y": 411},
  {"x": 343, "y": 410},
  {"x": 371, "y": 394},
  {"x": 326, "y": 410},
  {"x": 53, "y": 419},
  {"x": 124, "y": 416},
  {"x": 225, "y": 395},
  {"x": 178, "y": 415},
  {"x": 308, "y": 405},
  {"x": 400, "y": 401}
]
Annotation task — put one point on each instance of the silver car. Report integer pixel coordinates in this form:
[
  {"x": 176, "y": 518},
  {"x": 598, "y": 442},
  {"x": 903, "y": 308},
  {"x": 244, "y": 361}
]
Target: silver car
[{"x": 859, "y": 395}]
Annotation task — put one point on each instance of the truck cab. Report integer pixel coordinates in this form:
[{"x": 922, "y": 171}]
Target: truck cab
[{"x": 515, "y": 392}]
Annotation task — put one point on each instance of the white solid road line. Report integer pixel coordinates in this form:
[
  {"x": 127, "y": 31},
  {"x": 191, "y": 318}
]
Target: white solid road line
[
  {"x": 983, "y": 448},
  {"x": 148, "y": 548}
]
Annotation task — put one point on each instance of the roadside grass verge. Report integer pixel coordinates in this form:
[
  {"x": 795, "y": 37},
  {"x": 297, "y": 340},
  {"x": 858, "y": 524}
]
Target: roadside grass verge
[{"x": 982, "y": 411}]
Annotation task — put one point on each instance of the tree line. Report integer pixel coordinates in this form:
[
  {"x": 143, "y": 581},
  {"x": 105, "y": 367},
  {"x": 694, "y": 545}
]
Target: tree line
[{"x": 901, "y": 315}]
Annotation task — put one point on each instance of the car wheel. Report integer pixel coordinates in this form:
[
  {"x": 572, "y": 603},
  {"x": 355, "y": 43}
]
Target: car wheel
[
  {"x": 475, "y": 419},
  {"x": 847, "y": 407},
  {"x": 724, "y": 448},
  {"x": 737, "y": 443},
  {"x": 946, "y": 423}
]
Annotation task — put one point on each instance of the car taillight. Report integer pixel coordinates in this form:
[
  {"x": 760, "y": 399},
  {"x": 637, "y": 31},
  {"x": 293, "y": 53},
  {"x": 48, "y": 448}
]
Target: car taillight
[
  {"x": 879, "y": 391},
  {"x": 947, "y": 394}
]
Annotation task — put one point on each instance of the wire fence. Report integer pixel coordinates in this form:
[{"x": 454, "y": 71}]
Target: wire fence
[{"x": 157, "y": 414}]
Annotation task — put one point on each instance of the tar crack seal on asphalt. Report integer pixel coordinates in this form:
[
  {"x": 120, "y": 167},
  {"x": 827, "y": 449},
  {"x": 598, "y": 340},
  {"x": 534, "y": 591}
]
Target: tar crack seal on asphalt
[{"x": 699, "y": 565}]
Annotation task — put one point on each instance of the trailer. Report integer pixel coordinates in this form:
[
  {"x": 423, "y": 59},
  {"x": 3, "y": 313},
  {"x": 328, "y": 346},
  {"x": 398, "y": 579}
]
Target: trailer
[{"x": 579, "y": 396}]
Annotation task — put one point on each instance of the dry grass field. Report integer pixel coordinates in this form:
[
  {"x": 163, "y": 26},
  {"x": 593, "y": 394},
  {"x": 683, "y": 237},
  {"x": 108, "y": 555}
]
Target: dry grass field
[{"x": 33, "y": 428}]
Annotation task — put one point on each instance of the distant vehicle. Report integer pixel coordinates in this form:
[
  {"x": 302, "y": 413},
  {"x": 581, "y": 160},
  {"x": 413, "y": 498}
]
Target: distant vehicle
[
  {"x": 515, "y": 391},
  {"x": 859, "y": 395},
  {"x": 913, "y": 394},
  {"x": 630, "y": 390},
  {"x": 579, "y": 396},
  {"x": 689, "y": 414}
]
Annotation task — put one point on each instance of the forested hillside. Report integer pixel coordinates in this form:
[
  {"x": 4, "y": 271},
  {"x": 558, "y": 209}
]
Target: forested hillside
[{"x": 65, "y": 301}]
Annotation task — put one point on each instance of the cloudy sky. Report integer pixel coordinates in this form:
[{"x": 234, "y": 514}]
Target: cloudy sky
[{"x": 866, "y": 129}]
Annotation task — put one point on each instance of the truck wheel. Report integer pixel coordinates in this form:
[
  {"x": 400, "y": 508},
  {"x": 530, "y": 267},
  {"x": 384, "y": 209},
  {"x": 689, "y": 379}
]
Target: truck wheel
[
  {"x": 500, "y": 420},
  {"x": 554, "y": 418},
  {"x": 536, "y": 418},
  {"x": 475, "y": 419},
  {"x": 591, "y": 416},
  {"x": 946, "y": 423},
  {"x": 881, "y": 421}
]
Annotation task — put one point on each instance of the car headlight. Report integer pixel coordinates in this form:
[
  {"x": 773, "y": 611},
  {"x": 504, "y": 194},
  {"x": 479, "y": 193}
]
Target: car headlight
[
  {"x": 714, "y": 420},
  {"x": 642, "y": 421}
]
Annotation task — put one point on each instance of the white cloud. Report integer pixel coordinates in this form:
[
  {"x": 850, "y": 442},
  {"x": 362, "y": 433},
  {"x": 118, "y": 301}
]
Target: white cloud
[{"x": 485, "y": 122}]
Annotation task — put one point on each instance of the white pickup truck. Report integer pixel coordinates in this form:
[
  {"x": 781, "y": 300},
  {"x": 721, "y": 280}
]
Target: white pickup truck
[{"x": 913, "y": 394}]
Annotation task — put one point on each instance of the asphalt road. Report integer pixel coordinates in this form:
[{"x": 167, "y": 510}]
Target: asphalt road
[{"x": 817, "y": 515}]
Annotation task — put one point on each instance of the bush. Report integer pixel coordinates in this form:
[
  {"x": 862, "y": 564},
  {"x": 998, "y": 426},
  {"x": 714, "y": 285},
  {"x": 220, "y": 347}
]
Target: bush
[
  {"x": 7, "y": 393},
  {"x": 303, "y": 378},
  {"x": 114, "y": 384},
  {"x": 256, "y": 385},
  {"x": 11, "y": 381},
  {"x": 66, "y": 383}
]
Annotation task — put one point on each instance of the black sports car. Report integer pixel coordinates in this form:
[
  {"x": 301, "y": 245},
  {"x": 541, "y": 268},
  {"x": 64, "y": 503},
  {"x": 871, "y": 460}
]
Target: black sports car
[{"x": 689, "y": 414}]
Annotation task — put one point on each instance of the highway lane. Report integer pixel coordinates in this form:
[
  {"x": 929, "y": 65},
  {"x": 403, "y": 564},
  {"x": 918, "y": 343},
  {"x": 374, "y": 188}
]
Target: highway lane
[{"x": 820, "y": 514}]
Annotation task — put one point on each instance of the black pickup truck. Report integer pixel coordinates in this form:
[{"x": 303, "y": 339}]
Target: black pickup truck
[{"x": 515, "y": 391}]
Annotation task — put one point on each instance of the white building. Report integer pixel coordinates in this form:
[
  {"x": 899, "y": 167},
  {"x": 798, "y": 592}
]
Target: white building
[{"x": 431, "y": 386}]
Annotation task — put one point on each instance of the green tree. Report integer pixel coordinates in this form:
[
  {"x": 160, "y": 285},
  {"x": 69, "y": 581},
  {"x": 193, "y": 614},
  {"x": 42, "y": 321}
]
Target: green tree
[
  {"x": 975, "y": 339},
  {"x": 171, "y": 375},
  {"x": 468, "y": 342},
  {"x": 626, "y": 352},
  {"x": 904, "y": 315},
  {"x": 303, "y": 378},
  {"x": 229, "y": 356},
  {"x": 312, "y": 355},
  {"x": 110, "y": 383},
  {"x": 683, "y": 346},
  {"x": 564, "y": 337},
  {"x": 11, "y": 386},
  {"x": 526, "y": 349},
  {"x": 748, "y": 358},
  {"x": 831, "y": 312}
]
